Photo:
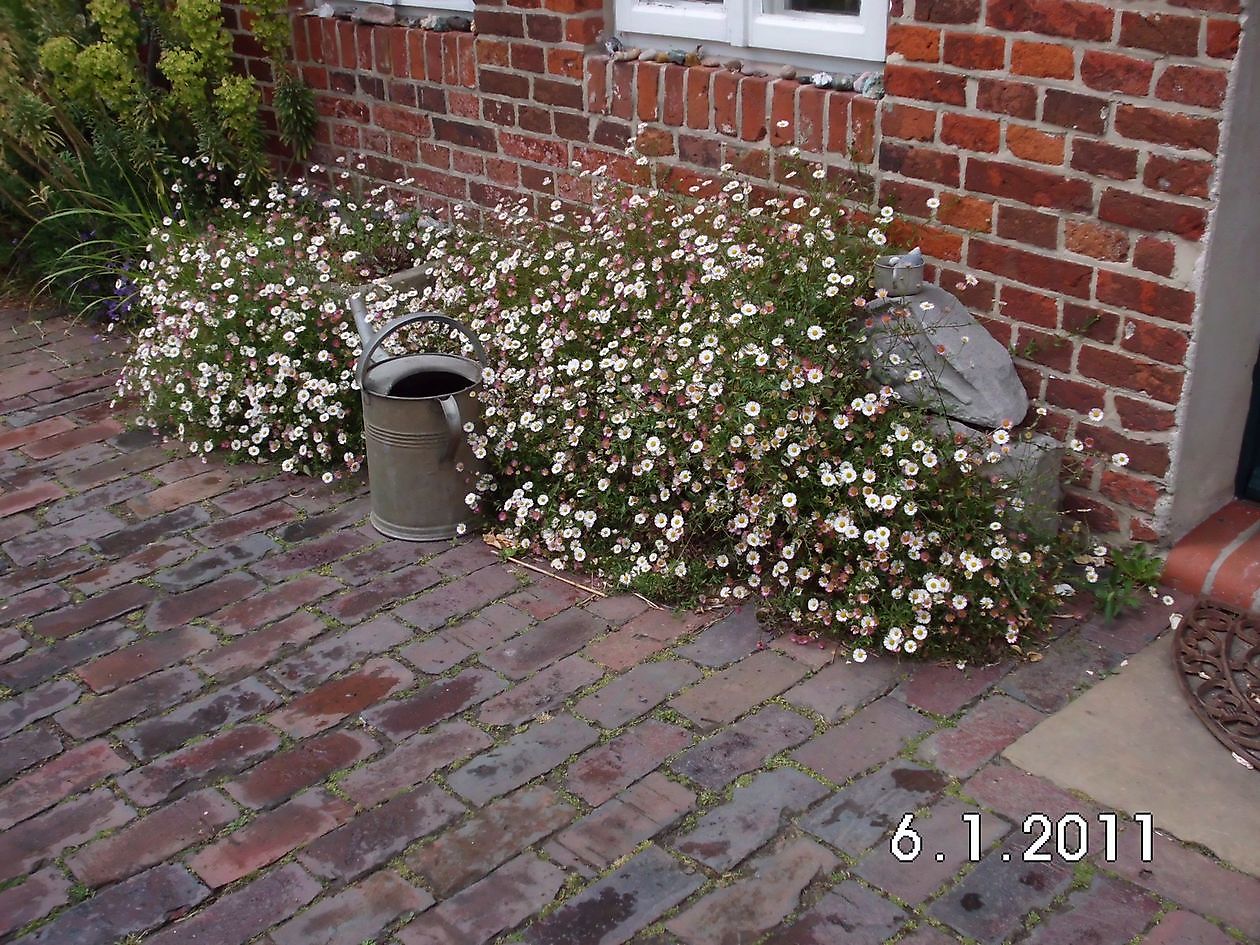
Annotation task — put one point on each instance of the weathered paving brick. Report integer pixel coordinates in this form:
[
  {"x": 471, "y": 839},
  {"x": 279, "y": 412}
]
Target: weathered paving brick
[
  {"x": 1109, "y": 910},
  {"x": 946, "y": 850},
  {"x": 38, "y": 895},
  {"x": 32, "y": 602},
  {"x": 870, "y": 737},
  {"x": 243, "y": 913},
  {"x": 378, "y": 835},
  {"x": 413, "y": 761},
  {"x": 327, "y": 705},
  {"x": 465, "y": 558},
  {"x": 541, "y": 693},
  {"x": 146, "y": 842},
  {"x": 732, "y": 638},
  {"x": 522, "y": 758},
  {"x": 355, "y": 915},
  {"x": 215, "y": 709},
  {"x": 101, "y": 497},
  {"x": 332, "y": 654},
  {"x": 436, "y": 654},
  {"x": 125, "y": 541},
  {"x": 440, "y": 700},
  {"x": 25, "y": 748},
  {"x": 35, "y": 704},
  {"x": 603, "y": 771},
  {"x": 129, "y": 908},
  {"x": 943, "y": 689},
  {"x": 1014, "y": 793},
  {"x": 12, "y": 439},
  {"x": 729, "y": 833},
  {"x": 148, "y": 656},
  {"x": 620, "y": 905},
  {"x": 384, "y": 559},
  {"x": 181, "y": 492},
  {"x": 746, "y": 745},
  {"x": 37, "y": 841},
  {"x": 33, "y": 496},
  {"x": 983, "y": 732},
  {"x": 219, "y": 754},
  {"x": 45, "y": 662},
  {"x": 214, "y": 564},
  {"x": 156, "y": 693},
  {"x": 489, "y": 628},
  {"x": 159, "y": 555},
  {"x": 729, "y": 693},
  {"x": 310, "y": 555},
  {"x": 552, "y": 640},
  {"x": 254, "y": 651},
  {"x": 88, "y": 476},
  {"x": 856, "y": 816},
  {"x": 65, "y": 774},
  {"x": 270, "y": 836},
  {"x": 93, "y": 611},
  {"x": 492, "y": 836},
  {"x": 991, "y": 902},
  {"x": 72, "y": 439},
  {"x": 252, "y": 522},
  {"x": 619, "y": 825},
  {"x": 501, "y": 901},
  {"x": 849, "y": 914},
  {"x": 637, "y": 692},
  {"x": 179, "y": 609},
  {"x": 349, "y": 513},
  {"x": 1186, "y": 928},
  {"x": 271, "y": 605},
  {"x": 435, "y": 607},
  {"x": 1066, "y": 663},
  {"x": 43, "y": 571},
  {"x": 546, "y": 597},
  {"x": 352, "y": 606},
  {"x": 309, "y": 762},
  {"x": 751, "y": 906},
  {"x": 259, "y": 493}
]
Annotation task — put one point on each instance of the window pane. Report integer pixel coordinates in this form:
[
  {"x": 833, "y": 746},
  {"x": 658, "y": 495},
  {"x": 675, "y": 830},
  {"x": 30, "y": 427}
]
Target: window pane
[{"x": 843, "y": 7}]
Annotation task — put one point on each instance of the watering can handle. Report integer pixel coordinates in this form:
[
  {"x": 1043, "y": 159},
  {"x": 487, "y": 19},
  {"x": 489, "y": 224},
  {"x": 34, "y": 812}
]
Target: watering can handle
[
  {"x": 454, "y": 426},
  {"x": 356, "y": 303}
]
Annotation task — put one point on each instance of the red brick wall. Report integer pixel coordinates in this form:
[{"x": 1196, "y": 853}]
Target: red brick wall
[{"x": 1072, "y": 147}]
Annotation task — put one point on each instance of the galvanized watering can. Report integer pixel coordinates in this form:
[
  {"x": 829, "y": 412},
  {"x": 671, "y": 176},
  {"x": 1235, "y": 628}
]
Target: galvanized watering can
[{"x": 415, "y": 406}]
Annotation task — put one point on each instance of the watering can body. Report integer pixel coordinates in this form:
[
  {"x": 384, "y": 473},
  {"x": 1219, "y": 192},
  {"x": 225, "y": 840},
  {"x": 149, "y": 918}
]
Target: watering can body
[{"x": 415, "y": 411}]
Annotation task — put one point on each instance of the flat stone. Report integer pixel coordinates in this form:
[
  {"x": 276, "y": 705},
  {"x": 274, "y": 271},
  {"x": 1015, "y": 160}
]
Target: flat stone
[
  {"x": 849, "y": 914},
  {"x": 980, "y": 734},
  {"x": 413, "y": 761},
  {"x": 1066, "y": 664},
  {"x": 856, "y": 816},
  {"x": 1109, "y": 912},
  {"x": 729, "y": 833},
  {"x": 943, "y": 688},
  {"x": 441, "y": 699},
  {"x": 501, "y": 901},
  {"x": 491, "y": 837},
  {"x": 619, "y": 825},
  {"x": 946, "y": 850},
  {"x": 377, "y": 835},
  {"x": 991, "y": 902},
  {"x": 128, "y": 908},
  {"x": 746, "y": 745},
  {"x": 871, "y": 737},
  {"x": 749, "y": 907},
  {"x": 541, "y": 693},
  {"x": 731, "y": 638},
  {"x": 620, "y": 905},
  {"x": 729, "y": 693},
  {"x": 552, "y": 640},
  {"x": 614, "y": 766},
  {"x": 357, "y": 914},
  {"x": 1105, "y": 745},
  {"x": 522, "y": 758}
]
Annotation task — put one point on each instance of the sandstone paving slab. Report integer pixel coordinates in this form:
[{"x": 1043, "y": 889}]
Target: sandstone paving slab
[
  {"x": 1105, "y": 745},
  {"x": 620, "y": 905}
]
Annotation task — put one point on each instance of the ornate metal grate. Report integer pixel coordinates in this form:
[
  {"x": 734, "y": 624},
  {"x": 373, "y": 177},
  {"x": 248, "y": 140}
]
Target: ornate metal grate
[{"x": 1216, "y": 652}]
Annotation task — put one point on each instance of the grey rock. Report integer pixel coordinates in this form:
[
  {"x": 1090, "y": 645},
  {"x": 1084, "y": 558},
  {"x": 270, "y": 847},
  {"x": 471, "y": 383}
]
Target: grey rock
[
  {"x": 648, "y": 55},
  {"x": 677, "y": 57},
  {"x": 712, "y": 62},
  {"x": 822, "y": 80},
  {"x": 967, "y": 375},
  {"x": 733, "y": 65},
  {"x": 787, "y": 72},
  {"x": 377, "y": 13},
  {"x": 843, "y": 83},
  {"x": 626, "y": 55}
]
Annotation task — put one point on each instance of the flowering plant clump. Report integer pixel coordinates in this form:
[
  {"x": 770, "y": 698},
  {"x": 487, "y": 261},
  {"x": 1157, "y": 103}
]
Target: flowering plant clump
[
  {"x": 251, "y": 350},
  {"x": 678, "y": 401}
]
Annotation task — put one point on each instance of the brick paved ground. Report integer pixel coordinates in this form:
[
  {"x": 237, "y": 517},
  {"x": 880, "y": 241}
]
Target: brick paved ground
[{"x": 231, "y": 712}]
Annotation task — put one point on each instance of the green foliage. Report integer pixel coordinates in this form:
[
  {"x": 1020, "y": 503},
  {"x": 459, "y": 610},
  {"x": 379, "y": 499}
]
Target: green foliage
[{"x": 1132, "y": 570}]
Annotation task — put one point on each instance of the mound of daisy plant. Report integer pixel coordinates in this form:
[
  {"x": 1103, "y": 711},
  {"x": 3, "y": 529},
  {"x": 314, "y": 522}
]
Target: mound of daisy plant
[{"x": 677, "y": 402}]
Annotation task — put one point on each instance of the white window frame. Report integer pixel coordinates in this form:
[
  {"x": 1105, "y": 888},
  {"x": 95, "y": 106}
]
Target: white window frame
[{"x": 752, "y": 25}]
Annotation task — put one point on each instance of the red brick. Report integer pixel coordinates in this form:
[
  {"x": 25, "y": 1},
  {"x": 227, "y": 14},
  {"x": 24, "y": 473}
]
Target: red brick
[
  {"x": 38, "y": 895},
  {"x": 239, "y": 916},
  {"x": 655, "y": 142},
  {"x": 41, "y": 839},
  {"x": 699, "y": 86},
  {"x": 147, "y": 656},
  {"x": 604, "y": 771},
  {"x": 1193, "y": 85},
  {"x": 1178, "y": 176},
  {"x": 1074, "y": 395},
  {"x": 1222, "y": 38},
  {"x": 914, "y": 43},
  {"x": 183, "y": 492},
  {"x": 330, "y": 703},
  {"x": 72, "y": 439},
  {"x": 725, "y": 99},
  {"x": 1155, "y": 255},
  {"x": 907, "y": 122},
  {"x": 1033, "y": 145},
  {"x": 1152, "y": 214},
  {"x": 925, "y": 84},
  {"x": 309, "y": 762},
  {"x": 1150, "y": 298},
  {"x": 975, "y": 51},
  {"x": 1130, "y": 491},
  {"x": 270, "y": 605},
  {"x": 1104, "y": 160},
  {"x": 65, "y": 774},
  {"x": 1027, "y": 185},
  {"x": 948, "y": 11},
  {"x": 1079, "y": 112},
  {"x": 1031, "y": 268},
  {"x": 1101, "y": 242},
  {"x": 1067, "y": 18},
  {"x": 1044, "y": 60},
  {"x": 1161, "y": 127},
  {"x": 966, "y": 212},
  {"x": 1155, "y": 341},
  {"x": 783, "y": 112},
  {"x": 93, "y": 611},
  {"x": 1032, "y": 308},
  {"x": 1017, "y": 99},
  {"x": 20, "y": 500},
  {"x": 1115, "y": 72},
  {"x": 1160, "y": 32},
  {"x": 1130, "y": 373},
  {"x": 11, "y": 439},
  {"x": 1028, "y": 226},
  {"x": 809, "y": 126},
  {"x": 358, "y": 913},
  {"x": 970, "y": 132},
  {"x": 920, "y": 163}
]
